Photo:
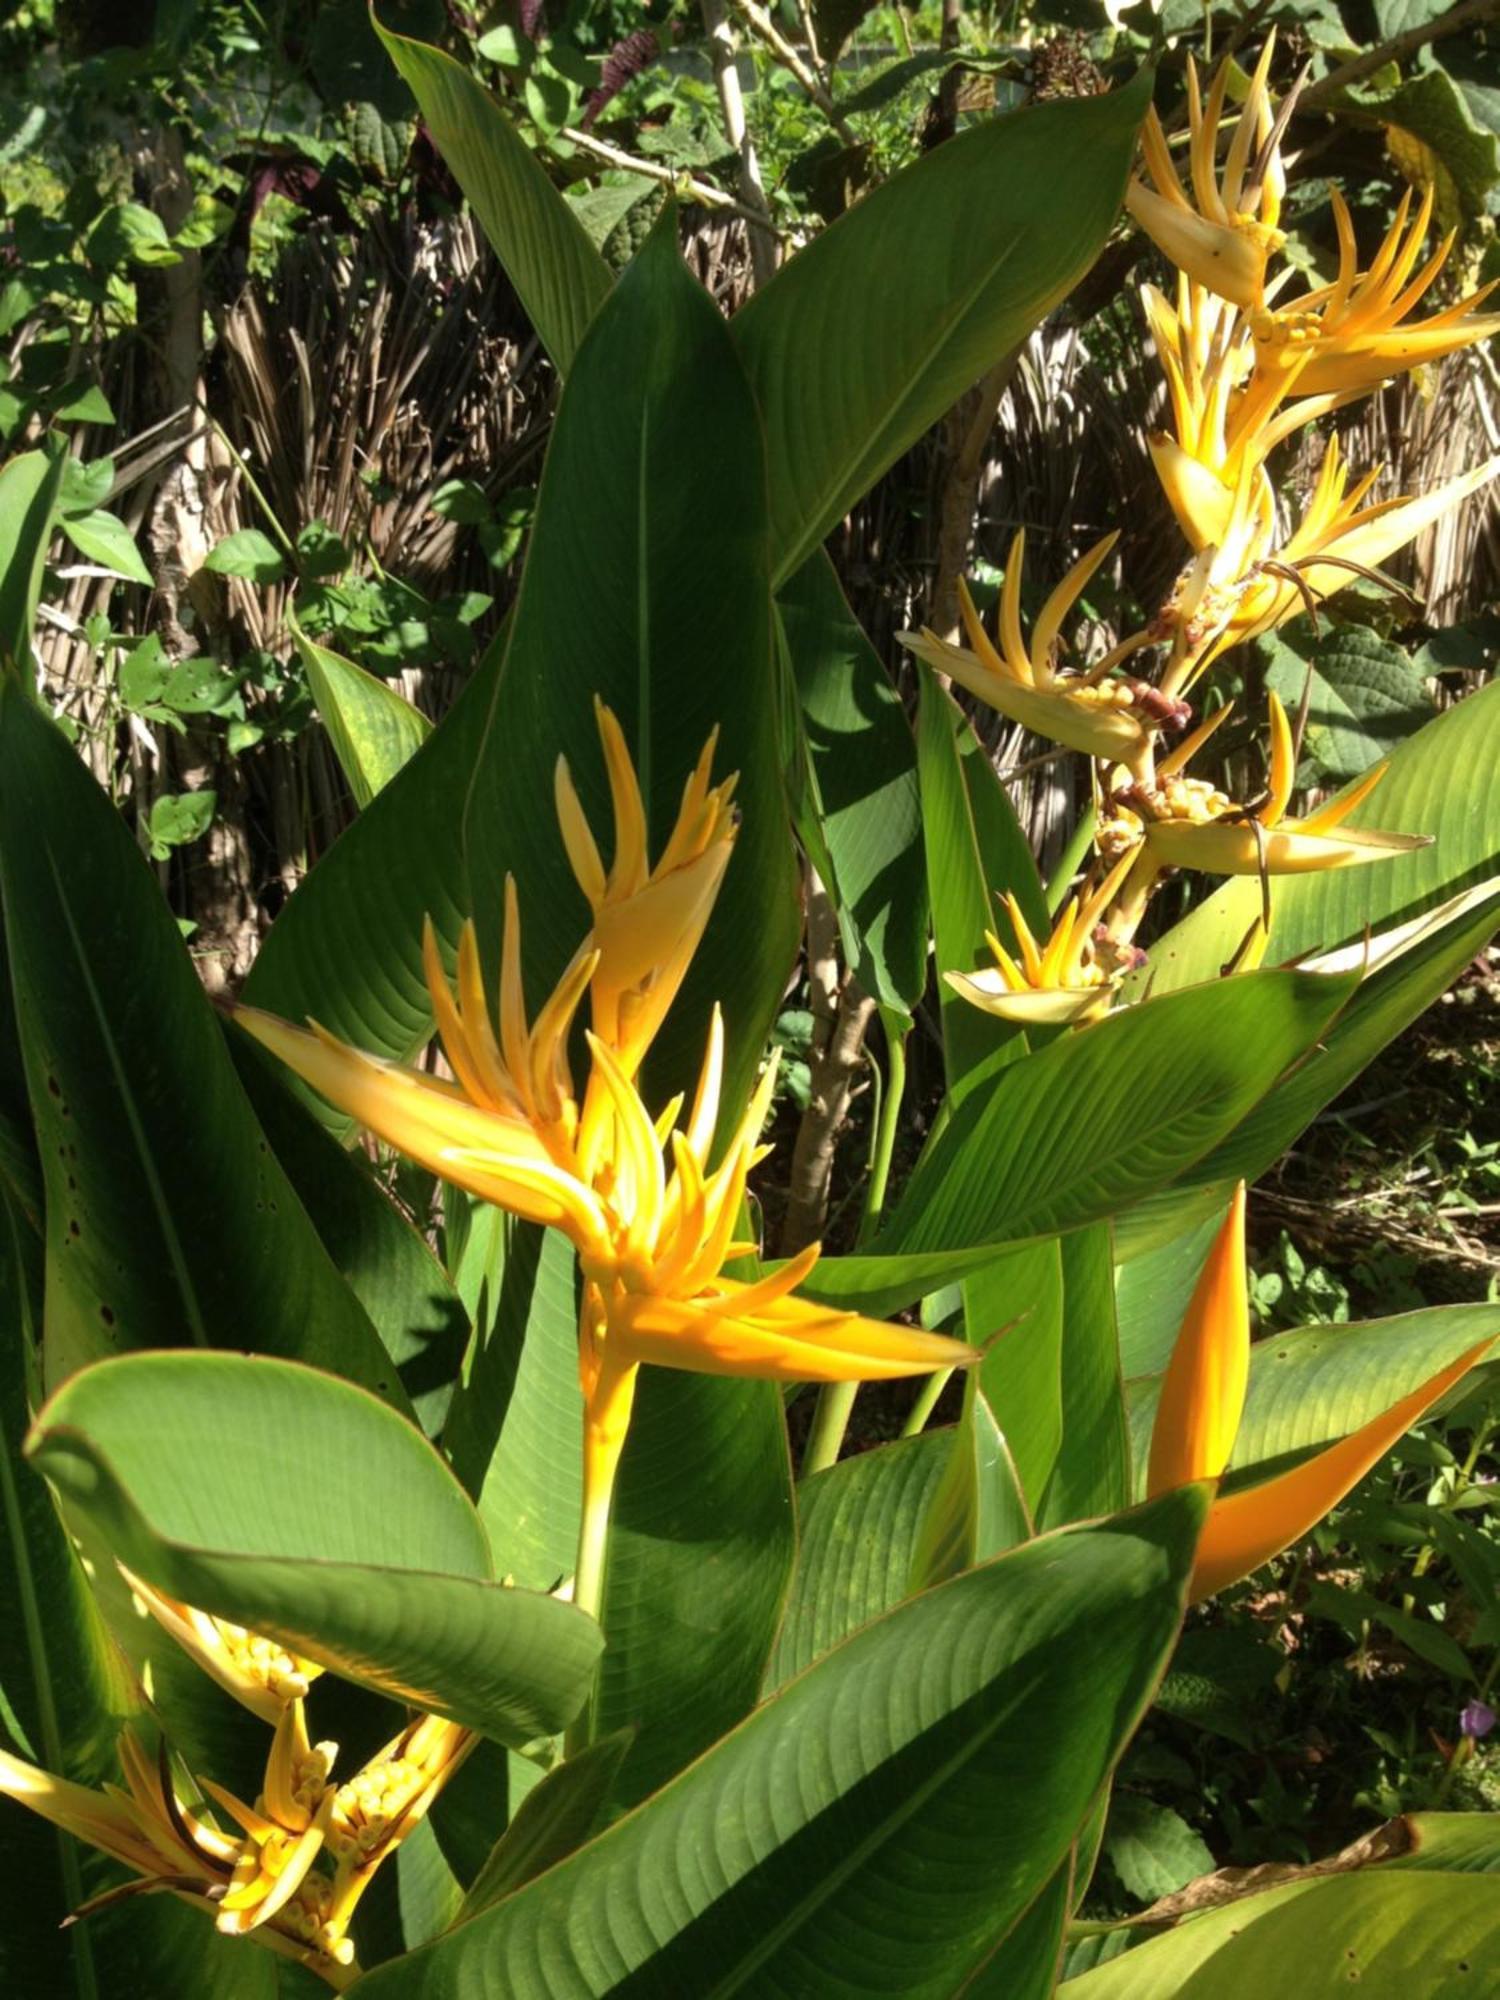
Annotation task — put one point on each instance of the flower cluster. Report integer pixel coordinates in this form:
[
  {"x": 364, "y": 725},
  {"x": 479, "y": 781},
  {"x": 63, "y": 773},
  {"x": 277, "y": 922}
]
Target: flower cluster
[
  {"x": 287, "y": 1870},
  {"x": 653, "y": 1212},
  {"x": 1246, "y": 369}
]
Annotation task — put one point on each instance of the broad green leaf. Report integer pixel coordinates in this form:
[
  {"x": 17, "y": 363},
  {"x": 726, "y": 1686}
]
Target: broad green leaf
[
  {"x": 373, "y": 728},
  {"x": 61, "y": 1694},
  {"x": 882, "y": 1822},
  {"x": 1460, "y": 1842},
  {"x": 553, "y": 1819},
  {"x": 700, "y": 1555},
  {"x": 1014, "y": 1308},
  {"x": 858, "y": 1528},
  {"x": 559, "y": 276},
  {"x": 392, "y": 1272},
  {"x": 860, "y": 813},
  {"x": 168, "y": 1220},
  {"x": 1417, "y": 795},
  {"x": 247, "y": 553},
  {"x": 515, "y": 1436},
  {"x": 646, "y": 586},
  {"x": 102, "y": 538},
  {"x": 1017, "y": 1160},
  {"x": 302, "y": 1507},
  {"x": 1389, "y": 998},
  {"x": 1025, "y": 1964},
  {"x": 975, "y": 848},
  {"x": 979, "y": 1509},
  {"x": 29, "y": 486},
  {"x": 1365, "y": 698},
  {"x": 1152, "y": 1290},
  {"x": 1152, "y": 1849},
  {"x": 1308, "y": 1388},
  {"x": 871, "y": 332},
  {"x": 1429, "y": 123},
  {"x": 1091, "y": 1474},
  {"x": 1384, "y": 1933}
]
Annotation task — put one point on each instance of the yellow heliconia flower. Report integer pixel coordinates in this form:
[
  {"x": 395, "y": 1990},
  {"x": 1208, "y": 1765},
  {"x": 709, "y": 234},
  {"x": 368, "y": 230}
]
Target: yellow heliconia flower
[
  {"x": 1225, "y": 232},
  {"x": 1348, "y": 337},
  {"x": 647, "y": 921},
  {"x": 257, "y": 1671},
  {"x": 1087, "y": 712},
  {"x": 1069, "y": 979},
  {"x": 653, "y": 1223},
  {"x": 1188, "y": 823},
  {"x": 151, "y": 1829},
  {"x": 282, "y": 1834},
  {"x": 1198, "y": 1417},
  {"x": 1251, "y": 583},
  {"x": 373, "y": 1813}
]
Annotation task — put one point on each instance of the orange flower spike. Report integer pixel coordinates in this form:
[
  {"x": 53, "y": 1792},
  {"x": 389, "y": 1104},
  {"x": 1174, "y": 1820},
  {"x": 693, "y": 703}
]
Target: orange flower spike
[
  {"x": 1203, "y": 1393},
  {"x": 648, "y": 922},
  {"x": 1247, "y": 1528}
]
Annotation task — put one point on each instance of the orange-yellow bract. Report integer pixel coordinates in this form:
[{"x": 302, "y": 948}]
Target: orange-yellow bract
[
  {"x": 1083, "y": 711},
  {"x": 267, "y": 1879},
  {"x": 1198, "y": 1418},
  {"x": 653, "y": 1219}
]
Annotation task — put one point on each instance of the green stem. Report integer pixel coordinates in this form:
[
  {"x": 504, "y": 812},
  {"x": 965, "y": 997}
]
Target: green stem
[
  {"x": 926, "y": 1403},
  {"x": 830, "y": 1420},
  {"x": 896, "y": 1029},
  {"x": 605, "y": 1422}
]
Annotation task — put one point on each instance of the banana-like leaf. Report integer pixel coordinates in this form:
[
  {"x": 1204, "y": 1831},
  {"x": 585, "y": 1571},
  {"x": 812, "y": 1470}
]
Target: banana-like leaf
[
  {"x": 700, "y": 1553},
  {"x": 1311, "y": 1387},
  {"x": 858, "y": 814},
  {"x": 515, "y": 1436},
  {"x": 559, "y": 276},
  {"x": 1014, "y": 1308},
  {"x": 1091, "y": 1472},
  {"x": 647, "y": 586},
  {"x": 1026, "y": 1964},
  {"x": 62, "y": 1690},
  {"x": 1382, "y": 1932},
  {"x": 373, "y": 728},
  {"x": 1163, "y": 1083},
  {"x": 979, "y": 1509},
  {"x": 389, "y": 1268},
  {"x": 1152, "y": 1290},
  {"x": 858, "y": 1528},
  {"x": 874, "y": 330},
  {"x": 167, "y": 1218},
  {"x": 897, "y": 1807},
  {"x": 1417, "y": 795},
  {"x": 1408, "y": 968},
  {"x": 29, "y": 486},
  {"x": 555, "y": 1817},
  {"x": 302, "y": 1507}
]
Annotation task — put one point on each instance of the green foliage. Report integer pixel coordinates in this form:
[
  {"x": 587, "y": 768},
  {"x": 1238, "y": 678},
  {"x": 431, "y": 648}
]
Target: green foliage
[{"x": 936, "y": 1717}]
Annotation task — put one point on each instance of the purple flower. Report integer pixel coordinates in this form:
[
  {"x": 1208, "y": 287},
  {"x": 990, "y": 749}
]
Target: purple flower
[{"x": 1477, "y": 1719}]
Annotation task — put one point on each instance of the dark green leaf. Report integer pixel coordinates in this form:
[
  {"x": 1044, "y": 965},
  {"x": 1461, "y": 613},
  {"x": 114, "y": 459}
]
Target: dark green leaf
[
  {"x": 886, "y": 1818},
  {"x": 871, "y": 332},
  {"x": 302, "y": 1507}
]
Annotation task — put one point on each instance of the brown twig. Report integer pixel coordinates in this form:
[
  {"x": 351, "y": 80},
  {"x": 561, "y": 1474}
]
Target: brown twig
[
  {"x": 764, "y": 246},
  {"x": 703, "y": 192},
  {"x": 760, "y": 24},
  {"x": 1472, "y": 14}
]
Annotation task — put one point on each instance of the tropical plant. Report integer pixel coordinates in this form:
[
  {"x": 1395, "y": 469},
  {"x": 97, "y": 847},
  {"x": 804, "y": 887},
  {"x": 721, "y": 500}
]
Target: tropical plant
[{"x": 492, "y": 1484}]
